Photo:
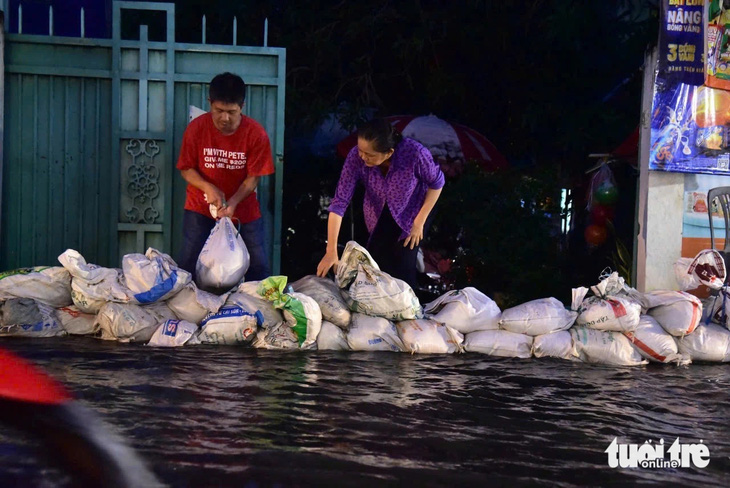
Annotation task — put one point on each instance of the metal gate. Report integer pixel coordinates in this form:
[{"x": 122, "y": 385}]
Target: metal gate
[{"x": 92, "y": 132}]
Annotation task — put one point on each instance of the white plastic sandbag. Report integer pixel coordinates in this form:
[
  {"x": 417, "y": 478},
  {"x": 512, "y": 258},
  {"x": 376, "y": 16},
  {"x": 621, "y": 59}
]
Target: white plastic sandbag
[
  {"x": 373, "y": 334},
  {"x": 614, "y": 306},
  {"x": 173, "y": 333},
  {"x": 378, "y": 294},
  {"x": 537, "y": 317},
  {"x": 224, "y": 259},
  {"x": 555, "y": 345},
  {"x": 153, "y": 276},
  {"x": 266, "y": 312},
  {"x": 654, "y": 343},
  {"x": 127, "y": 322},
  {"x": 352, "y": 256},
  {"x": 327, "y": 295},
  {"x": 193, "y": 304},
  {"x": 300, "y": 311},
  {"x": 465, "y": 310},
  {"x": 605, "y": 347},
  {"x": 677, "y": 312},
  {"x": 74, "y": 321},
  {"x": 92, "y": 286},
  {"x": 707, "y": 268},
  {"x": 501, "y": 343},
  {"x": 228, "y": 326},
  {"x": 25, "y": 317},
  {"x": 50, "y": 285},
  {"x": 424, "y": 336},
  {"x": 331, "y": 338},
  {"x": 709, "y": 342}
]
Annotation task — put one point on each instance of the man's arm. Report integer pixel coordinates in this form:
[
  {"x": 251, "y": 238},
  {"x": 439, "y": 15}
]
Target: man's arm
[
  {"x": 214, "y": 195},
  {"x": 247, "y": 187}
]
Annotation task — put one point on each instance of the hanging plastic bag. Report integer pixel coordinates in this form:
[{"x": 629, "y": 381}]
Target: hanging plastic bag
[{"x": 224, "y": 259}]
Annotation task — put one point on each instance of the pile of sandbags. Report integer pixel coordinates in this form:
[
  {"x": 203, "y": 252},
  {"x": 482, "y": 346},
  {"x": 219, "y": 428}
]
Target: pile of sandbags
[{"x": 150, "y": 300}]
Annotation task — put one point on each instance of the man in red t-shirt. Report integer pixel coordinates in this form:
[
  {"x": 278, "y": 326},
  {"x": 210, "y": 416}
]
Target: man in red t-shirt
[{"x": 223, "y": 154}]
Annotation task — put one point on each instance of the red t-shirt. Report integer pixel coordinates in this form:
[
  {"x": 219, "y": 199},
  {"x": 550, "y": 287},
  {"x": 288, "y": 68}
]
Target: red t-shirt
[{"x": 225, "y": 161}]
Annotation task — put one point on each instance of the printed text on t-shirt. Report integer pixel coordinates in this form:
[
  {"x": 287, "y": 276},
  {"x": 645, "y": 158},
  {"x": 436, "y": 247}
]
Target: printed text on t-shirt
[{"x": 222, "y": 159}]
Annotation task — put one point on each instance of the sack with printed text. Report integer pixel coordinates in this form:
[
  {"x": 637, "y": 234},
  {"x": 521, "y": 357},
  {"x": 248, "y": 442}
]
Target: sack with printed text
[
  {"x": 92, "y": 286},
  {"x": 424, "y": 336},
  {"x": 173, "y": 333},
  {"x": 25, "y": 317},
  {"x": 153, "y": 276},
  {"x": 707, "y": 268},
  {"x": 465, "y": 310},
  {"x": 264, "y": 309},
  {"x": 613, "y": 306},
  {"x": 300, "y": 311},
  {"x": 278, "y": 336},
  {"x": 224, "y": 259},
  {"x": 50, "y": 285},
  {"x": 376, "y": 293},
  {"x": 231, "y": 325}
]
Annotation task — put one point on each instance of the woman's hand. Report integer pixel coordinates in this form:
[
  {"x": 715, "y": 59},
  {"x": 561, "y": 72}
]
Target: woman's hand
[
  {"x": 330, "y": 259},
  {"x": 416, "y": 234}
]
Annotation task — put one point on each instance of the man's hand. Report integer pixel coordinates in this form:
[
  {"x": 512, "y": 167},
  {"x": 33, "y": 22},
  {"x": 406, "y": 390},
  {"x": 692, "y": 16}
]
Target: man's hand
[
  {"x": 416, "y": 234},
  {"x": 215, "y": 197},
  {"x": 330, "y": 259},
  {"x": 227, "y": 210}
]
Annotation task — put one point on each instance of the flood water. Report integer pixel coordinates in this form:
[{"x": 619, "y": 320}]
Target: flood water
[{"x": 224, "y": 416}]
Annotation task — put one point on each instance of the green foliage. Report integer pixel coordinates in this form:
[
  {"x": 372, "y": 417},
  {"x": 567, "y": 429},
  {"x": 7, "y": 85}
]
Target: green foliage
[{"x": 503, "y": 231}]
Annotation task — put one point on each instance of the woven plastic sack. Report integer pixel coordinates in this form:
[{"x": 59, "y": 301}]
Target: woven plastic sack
[
  {"x": 74, "y": 321},
  {"x": 264, "y": 309},
  {"x": 677, "y": 312},
  {"x": 331, "y": 338},
  {"x": 654, "y": 343},
  {"x": 25, "y": 317},
  {"x": 127, "y": 322},
  {"x": 373, "y": 334},
  {"x": 228, "y": 326},
  {"x": 224, "y": 259},
  {"x": 709, "y": 342},
  {"x": 173, "y": 333},
  {"x": 92, "y": 286},
  {"x": 424, "y": 336},
  {"x": 193, "y": 304},
  {"x": 537, "y": 317},
  {"x": 605, "y": 347},
  {"x": 707, "y": 268},
  {"x": 153, "y": 276},
  {"x": 50, "y": 285},
  {"x": 614, "y": 307},
  {"x": 300, "y": 311},
  {"x": 378, "y": 294},
  {"x": 501, "y": 343},
  {"x": 278, "y": 336},
  {"x": 352, "y": 256},
  {"x": 555, "y": 345},
  {"x": 465, "y": 310},
  {"x": 327, "y": 295}
]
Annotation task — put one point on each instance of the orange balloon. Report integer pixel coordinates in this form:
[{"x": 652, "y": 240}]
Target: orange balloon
[{"x": 595, "y": 235}]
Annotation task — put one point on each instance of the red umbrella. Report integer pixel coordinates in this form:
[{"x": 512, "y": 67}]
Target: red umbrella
[{"x": 450, "y": 143}]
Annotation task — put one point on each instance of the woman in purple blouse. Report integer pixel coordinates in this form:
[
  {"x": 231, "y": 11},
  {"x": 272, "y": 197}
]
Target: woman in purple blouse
[{"x": 402, "y": 184}]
